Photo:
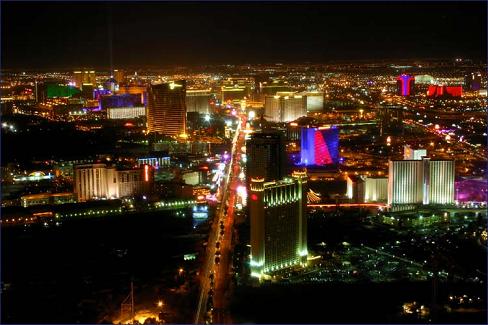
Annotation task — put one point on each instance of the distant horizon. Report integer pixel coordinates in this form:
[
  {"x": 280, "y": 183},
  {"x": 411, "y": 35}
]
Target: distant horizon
[{"x": 412, "y": 61}]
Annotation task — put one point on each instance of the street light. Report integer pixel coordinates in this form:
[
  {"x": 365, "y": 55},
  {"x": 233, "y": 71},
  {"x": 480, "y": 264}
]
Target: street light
[{"x": 160, "y": 303}]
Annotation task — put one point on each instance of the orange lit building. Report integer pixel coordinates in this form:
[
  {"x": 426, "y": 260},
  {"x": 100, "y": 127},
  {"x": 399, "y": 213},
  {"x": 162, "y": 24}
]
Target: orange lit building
[
  {"x": 134, "y": 90},
  {"x": 166, "y": 108}
]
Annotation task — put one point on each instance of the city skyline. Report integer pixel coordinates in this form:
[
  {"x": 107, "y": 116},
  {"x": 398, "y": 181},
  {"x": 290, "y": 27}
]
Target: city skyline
[
  {"x": 243, "y": 163},
  {"x": 122, "y": 34}
]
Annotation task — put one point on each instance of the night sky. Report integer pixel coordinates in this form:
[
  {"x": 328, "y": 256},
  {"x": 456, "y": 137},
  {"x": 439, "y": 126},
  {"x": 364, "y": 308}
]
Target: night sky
[{"x": 155, "y": 34}]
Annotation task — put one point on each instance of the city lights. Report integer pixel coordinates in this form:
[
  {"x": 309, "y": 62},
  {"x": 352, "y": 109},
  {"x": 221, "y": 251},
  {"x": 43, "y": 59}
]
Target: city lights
[{"x": 220, "y": 163}]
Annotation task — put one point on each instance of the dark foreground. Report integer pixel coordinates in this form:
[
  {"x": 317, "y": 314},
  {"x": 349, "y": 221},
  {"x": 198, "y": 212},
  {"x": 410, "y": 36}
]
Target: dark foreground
[{"x": 80, "y": 271}]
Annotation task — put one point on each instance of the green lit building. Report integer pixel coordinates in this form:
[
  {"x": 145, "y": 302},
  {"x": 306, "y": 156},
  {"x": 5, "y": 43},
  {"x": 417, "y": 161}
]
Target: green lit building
[
  {"x": 278, "y": 224},
  {"x": 61, "y": 91}
]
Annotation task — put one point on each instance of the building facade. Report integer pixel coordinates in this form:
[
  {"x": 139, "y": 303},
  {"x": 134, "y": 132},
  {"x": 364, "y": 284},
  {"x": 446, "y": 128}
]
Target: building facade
[
  {"x": 285, "y": 107},
  {"x": 155, "y": 162},
  {"x": 198, "y": 100},
  {"x": 421, "y": 182},
  {"x": 319, "y": 146},
  {"x": 405, "y": 85},
  {"x": 87, "y": 77},
  {"x": 441, "y": 182},
  {"x": 278, "y": 224},
  {"x": 115, "y": 113},
  {"x": 166, "y": 109},
  {"x": 315, "y": 101},
  {"x": 375, "y": 189},
  {"x": 99, "y": 181},
  {"x": 266, "y": 156}
]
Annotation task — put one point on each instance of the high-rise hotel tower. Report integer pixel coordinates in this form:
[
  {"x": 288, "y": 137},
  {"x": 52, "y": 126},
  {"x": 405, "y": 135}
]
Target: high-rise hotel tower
[
  {"x": 422, "y": 181},
  {"x": 278, "y": 224},
  {"x": 166, "y": 108}
]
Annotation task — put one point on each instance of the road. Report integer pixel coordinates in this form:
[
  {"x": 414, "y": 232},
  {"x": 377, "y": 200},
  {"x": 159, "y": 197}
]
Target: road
[
  {"x": 221, "y": 270},
  {"x": 478, "y": 153}
]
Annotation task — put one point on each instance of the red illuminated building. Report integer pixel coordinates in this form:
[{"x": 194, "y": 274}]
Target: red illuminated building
[
  {"x": 405, "y": 84},
  {"x": 444, "y": 91}
]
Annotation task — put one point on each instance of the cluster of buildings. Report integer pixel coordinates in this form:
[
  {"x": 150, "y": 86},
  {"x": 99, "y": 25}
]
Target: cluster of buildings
[
  {"x": 415, "y": 180},
  {"x": 438, "y": 88},
  {"x": 277, "y": 206},
  {"x": 279, "y": 193}
]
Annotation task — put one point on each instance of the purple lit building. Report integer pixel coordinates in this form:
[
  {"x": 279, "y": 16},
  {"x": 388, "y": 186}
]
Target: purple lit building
[
  {"x": 123, "y": 100},
  {"x": 471, "y": 190},
  {"x": 405, "y": 84},
  {"x": 319, "y": 146}
]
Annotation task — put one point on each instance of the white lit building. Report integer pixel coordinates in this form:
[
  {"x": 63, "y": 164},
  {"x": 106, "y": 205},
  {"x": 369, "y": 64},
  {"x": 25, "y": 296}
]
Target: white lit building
[
  {"x": 315, "y": 101},
  {"x": 375, "y": 189},
  {"x": 198, "y": 100},
  {"x": 413, "y": 154},
  {"x": 156, "y": 162},
  {"x": 285, "y": 107},
  {"x": 441, "y": 182},
  {"x": 114, "y": 113},
  {"x": 99, "y": 181},
  {"x": 421, "y": 182}
]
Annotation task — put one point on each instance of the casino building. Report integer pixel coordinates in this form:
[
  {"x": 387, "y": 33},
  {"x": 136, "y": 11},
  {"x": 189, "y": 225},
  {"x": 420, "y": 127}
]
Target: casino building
[
  {"x": 422, "y": 181},
  {"x": 278, "y": 224}
]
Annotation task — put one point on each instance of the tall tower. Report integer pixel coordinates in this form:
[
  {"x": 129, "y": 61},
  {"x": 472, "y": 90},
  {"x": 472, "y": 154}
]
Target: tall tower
[
  {"x": 119, "y": 76},
  {"x": 405, "y": 84},
  {"x": 421, "y": 181},
  {"x": 285, "y": 106},
  {"x": 166, "y": 108},
  {"x": 278, "y": 224},
  {"x": 266, "y": 156}
]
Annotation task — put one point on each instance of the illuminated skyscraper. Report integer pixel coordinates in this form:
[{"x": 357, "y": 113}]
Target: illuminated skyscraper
[
  {"x": 440, "y": 182},
  {"x": 405, "y": 84},
  {"x": 236, "y": 89},
  {"x": 198, "y": 100},
  {"x": 278, "y": 224},
  {"x": 166, "y": 108},
  {"x": 319, "y": 146},
  {"x": 422, "y": 181},
  {"x": 285, "y": 107},
  {"x": 87, "y": 77},
  {"x": 266, "y": 156},
  {"x": 119, "y": 76},
  {"x": 315, "y": 100}
]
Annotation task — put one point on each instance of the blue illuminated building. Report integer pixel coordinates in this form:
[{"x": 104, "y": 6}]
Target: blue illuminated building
[{"x": 319, "y": 146}]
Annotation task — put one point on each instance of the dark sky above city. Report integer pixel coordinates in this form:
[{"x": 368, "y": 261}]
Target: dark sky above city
[{"x": 67, "y": 35}]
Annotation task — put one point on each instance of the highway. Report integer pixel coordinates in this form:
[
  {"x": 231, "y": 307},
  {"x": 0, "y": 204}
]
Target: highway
[{"x": 221, "y": 270}]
